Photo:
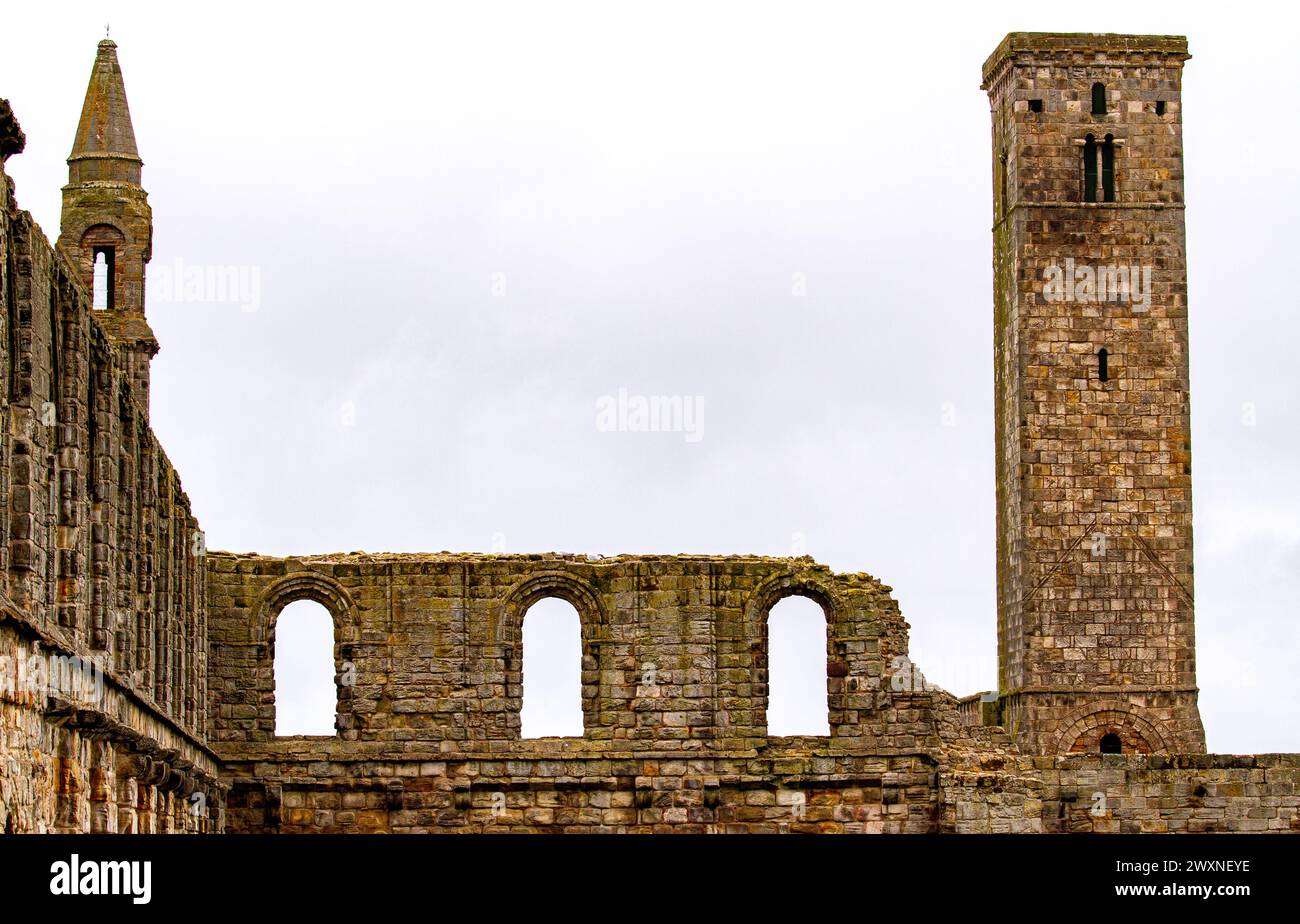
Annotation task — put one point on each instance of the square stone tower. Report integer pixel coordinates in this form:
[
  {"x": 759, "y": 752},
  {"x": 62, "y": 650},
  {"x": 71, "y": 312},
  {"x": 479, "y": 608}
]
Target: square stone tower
[{"x": 1094, "y": 535}]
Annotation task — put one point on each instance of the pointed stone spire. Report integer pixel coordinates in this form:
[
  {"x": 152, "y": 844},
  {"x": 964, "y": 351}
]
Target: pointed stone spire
[
  {"x": 106, "y": 217},
  {"x": 104, "y": 148}
]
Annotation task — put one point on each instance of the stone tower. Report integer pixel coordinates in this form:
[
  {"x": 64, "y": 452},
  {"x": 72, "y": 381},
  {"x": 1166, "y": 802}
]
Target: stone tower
[
  {"x": 106, "y": 216},
  {"x": 1095, "y": 632}
]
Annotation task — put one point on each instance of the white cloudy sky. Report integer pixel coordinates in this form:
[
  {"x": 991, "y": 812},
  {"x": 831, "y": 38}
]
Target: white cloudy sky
[{"x": 472, "y": 221}]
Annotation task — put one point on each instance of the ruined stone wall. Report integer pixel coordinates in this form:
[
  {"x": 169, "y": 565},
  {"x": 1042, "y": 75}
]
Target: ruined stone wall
[
  {"x": 433, "y": 644},
  {"x": 1121, "y": 794},
  {"x": 1095, "y": 605},
  {"x": 428, "y": 718},
  {"x": 83, "y": 753},
  {"x": 137, "y": 684},
  {"x": 801, "y": 787},
  {"x": 101, "y": 564}
]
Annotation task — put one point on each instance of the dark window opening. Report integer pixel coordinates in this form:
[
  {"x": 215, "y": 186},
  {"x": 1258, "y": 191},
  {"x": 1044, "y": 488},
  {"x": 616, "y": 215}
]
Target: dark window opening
[
  {"x": 1090, "y": 169},
  {"x": 1108, "y": 169},
  {"x": 1098, "y": 99},
  {"x": 1103, "y": 365},
  {"x": 1110, "y": 744},
  {"x": 1160, "y": 107},
  {"x": 102, "y": 296},
  {"x": 1035, "y": 105},
  {"x": 1002, "y": 182}
]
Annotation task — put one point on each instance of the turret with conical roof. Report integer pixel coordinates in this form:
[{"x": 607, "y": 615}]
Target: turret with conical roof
[{"x": 107, "y": 219}]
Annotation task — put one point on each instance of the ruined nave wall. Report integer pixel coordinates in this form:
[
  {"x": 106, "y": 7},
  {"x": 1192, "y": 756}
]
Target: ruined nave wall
[{"x": 101, "y": 564}]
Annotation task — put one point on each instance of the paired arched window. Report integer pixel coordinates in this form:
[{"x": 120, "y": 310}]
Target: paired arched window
[
  {"x": 1099, "y": 156},
  {"x": 1099, "y": 163},
  {"x": 796, "y": 668},
  {"x": 551, "y": 639},
  {"x": 306, "y": 693}
]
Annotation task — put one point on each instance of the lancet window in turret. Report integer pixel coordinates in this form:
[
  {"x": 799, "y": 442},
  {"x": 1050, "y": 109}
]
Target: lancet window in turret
[{"x": 103, "y": 295}]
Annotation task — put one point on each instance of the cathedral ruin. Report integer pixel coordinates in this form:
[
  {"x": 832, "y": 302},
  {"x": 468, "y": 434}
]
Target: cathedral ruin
[{"x": 137, "y": 691}]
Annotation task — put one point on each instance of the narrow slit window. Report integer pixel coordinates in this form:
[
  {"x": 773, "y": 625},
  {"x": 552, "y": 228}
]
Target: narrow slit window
[
  {"x": 1002, "y": 180},
  {"x": 1160, "y": 107},
  {"x": 1098, "y": 99},
  {"x": 1103, "y": 365},
  {"x": 1108, "y": 169},
  {"x": 1090, "y": 169}
]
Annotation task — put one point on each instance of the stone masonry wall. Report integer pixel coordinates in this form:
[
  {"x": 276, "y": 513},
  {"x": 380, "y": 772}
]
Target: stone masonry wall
[
  {"x": 428, "y": 720},
  {"x": 433, "y": 645},
  {"x": 803, "y": 788},
  {"x": 100, "y": 564},
  {"x": 1121, "y": 794},
  {"x": 1095, "y": 601}
]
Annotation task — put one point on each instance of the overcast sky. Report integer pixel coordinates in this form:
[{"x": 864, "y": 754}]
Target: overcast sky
[{"x": 469, "y": 224}]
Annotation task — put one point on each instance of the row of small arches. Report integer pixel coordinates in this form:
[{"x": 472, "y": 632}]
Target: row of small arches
[{"x": 306, "y": 691}]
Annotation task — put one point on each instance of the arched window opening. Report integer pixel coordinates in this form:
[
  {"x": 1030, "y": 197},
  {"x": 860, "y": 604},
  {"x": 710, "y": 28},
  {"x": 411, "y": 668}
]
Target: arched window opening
[
  {"x": 1110, "y": 744},
  {"x": 552, "y": 671},
  {"x": 796, "y": 669},
  {"x": 1103, "y": 365},
  {"x": 306, "y": 692},
  {"x": 1098, "y": 99},
  {"x": 102, "y": 280},
  {"x": 1089, "y": 169}
]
